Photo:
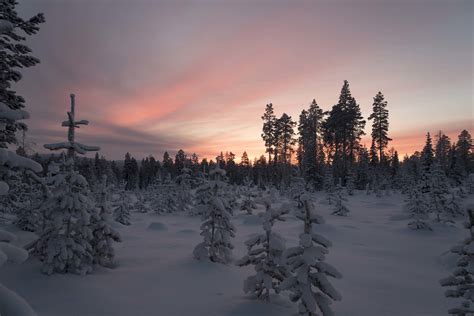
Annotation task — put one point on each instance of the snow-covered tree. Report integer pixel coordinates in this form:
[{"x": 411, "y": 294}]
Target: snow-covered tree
[
  {"x": 328, "y": 185},
  {"x": 122, "y": 208},
  {"x": 419, "y": 210},
  {"x": 297, "y": 189},
  {"x": 103, "y": 233},
  {"x": 184, "y": 196},
  {"x": 340, "y": 209},
  {"x": 350, "y": 184},
  {"x": 265, "y": 254},
  {"x": 248, "y": 203},
  {"x": 438, "y": 191},
  {"x": 65, "y": 243},
  {"x": 461, "y": 281},
  {"x": 308, "y": 282},
  {"x": 216, "y": 229}
]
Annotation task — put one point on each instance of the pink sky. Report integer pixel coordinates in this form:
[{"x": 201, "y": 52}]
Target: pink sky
[{"x": 154, "y": 76}]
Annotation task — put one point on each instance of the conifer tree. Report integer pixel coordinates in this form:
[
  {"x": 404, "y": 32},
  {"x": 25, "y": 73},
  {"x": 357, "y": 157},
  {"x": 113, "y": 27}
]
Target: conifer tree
[
  {"x": 103, "y": 233},
  {"x": 442, "y": 148},
  {"x": 462, "y": 279},
  {"x": 308, "y": 282},
  {"x": 419, "y": 209},
  {"x": 15, "y": 56},
  {"x": 343, "y": 130},
  {"x": 310, "y": 127},
  {"x": 65, "y": 243},
  {"x": 464, "y": 153},
  {"x": 380, "y": 123},
  {"x": 268, "y": 130},
  {"x": 284, "y": 135},
  {"x": 216, "y": 229},
  {"x": 265, "y": 254},
  {"x": 122, "y": 209},
  {"x": 248, "y": 203},
  {"x": 427, "y": 155},
  {"x": 340, "y": 209}
]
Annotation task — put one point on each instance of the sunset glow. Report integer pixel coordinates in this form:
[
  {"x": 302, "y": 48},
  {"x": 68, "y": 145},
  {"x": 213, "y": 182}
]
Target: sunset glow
[{"x": 155, "y": 77}]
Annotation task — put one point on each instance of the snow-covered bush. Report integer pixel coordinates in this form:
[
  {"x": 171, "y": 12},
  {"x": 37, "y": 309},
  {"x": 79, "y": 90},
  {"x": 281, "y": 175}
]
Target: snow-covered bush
[
  {"x": 265, "y": 254},
  {"x": 462, "y": 279},
  {"x": 308, "y": 281}
]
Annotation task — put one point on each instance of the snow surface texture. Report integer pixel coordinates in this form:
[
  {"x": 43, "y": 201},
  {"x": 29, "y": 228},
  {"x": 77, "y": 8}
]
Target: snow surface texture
[{"x": 388, "y": 269}]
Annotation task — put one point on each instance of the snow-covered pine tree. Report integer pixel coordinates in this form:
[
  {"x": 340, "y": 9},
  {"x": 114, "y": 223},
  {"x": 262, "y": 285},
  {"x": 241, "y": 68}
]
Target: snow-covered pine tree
[
  {"x": 184, "y": 195},
  {"x": 418, "y": 208},
  {"x": 328, "y": 184},
  {"x": 340, "y": 209},
  {"x": 122, "y": 208},
  {"x": 217, "y": 231},
  {"x": 141, "y": 205},
  {"x": 248, "y": 203},
  {"x": 297, "y": 189},
  {"x": 29, "y": 216},
  {"x": 265, "y": 254},
  {"x": 438, "y": 191},
  {"x": 64, "y": 245},
  {"x": 462, "y": 279},
  {"x": 103, "y": 233},
  {"x": 452, "y": 207},
  {"x": 350, "y": 184},
  {"x": 308, "y": 282}
]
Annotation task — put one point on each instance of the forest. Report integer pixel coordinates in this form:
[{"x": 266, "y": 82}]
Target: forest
[{"x": 228, "y": 220}]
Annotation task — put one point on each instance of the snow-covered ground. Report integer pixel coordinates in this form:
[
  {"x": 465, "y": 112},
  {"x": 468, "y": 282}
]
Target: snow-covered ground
[{"x": 387, "y": 268}]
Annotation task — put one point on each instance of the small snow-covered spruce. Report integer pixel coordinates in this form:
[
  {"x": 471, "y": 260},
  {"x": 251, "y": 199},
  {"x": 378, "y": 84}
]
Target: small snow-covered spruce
[
  {"x": 65, "y": 243},
  {"x": 418, "y": 208},
  {"x": 122, "y": 209},
  {"x": 248, "y": 203},
  {"x": 340, "y": 209},
  {"x": 265, "y": 254},
  {"x": 452, "y": 206},
  {"x": 216, "y": 229},
  {"x": 308, "y": 283},
  {"x": 437, "y": 193},
  {"x": 184, "y": 196},
  {"x": 462, "y": 279},
  {"x": 297, "y": 189},
  {"x": 328, "y": 185},
  {"x": 29, "y": 216},
  {"x": 350, "y": 184},
  {"x": 104, "y": 234},
  {"x": 141, "y": 205}
]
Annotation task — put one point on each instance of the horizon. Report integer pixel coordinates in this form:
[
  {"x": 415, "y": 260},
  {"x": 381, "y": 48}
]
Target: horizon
[{"x": 149, "y": 83}]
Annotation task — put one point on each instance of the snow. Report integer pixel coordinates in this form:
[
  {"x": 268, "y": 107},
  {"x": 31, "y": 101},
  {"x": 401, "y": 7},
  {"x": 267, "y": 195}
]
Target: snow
[
  {"x": 387, "y": 268},
  {"x": 9, "y": 114}
]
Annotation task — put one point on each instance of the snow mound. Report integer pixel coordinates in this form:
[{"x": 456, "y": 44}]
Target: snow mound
[{"x": 157, "y": 226}]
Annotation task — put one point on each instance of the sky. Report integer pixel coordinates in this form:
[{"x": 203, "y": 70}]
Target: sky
[{"x": 155, "y": 76}]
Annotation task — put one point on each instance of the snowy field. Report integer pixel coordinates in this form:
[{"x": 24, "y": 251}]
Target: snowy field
[{"x": 387, "y": 268}]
